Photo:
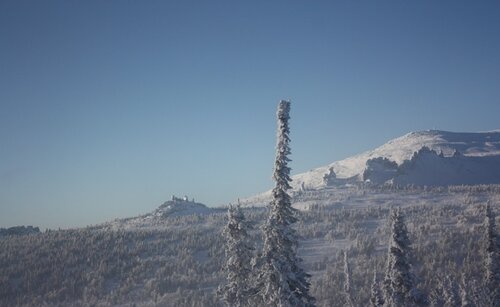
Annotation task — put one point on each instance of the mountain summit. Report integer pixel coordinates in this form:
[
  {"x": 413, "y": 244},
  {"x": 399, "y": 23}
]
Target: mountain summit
[
  {"x": 179, "y": 207},
  {"x": 429, "y": 157}
]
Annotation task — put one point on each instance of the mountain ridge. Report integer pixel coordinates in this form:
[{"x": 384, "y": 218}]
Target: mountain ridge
[{"x": 389, "y": 163}]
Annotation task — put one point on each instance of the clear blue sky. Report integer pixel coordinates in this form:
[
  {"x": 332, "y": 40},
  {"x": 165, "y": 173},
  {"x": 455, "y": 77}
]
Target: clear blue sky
[{"x": 110, "y": 107}]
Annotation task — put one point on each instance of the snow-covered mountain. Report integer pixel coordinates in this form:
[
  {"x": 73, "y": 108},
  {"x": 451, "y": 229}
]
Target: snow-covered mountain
[
  {"x": 452, "y": 158},
  {"x": 429, "y": 157},
  {"x": 176, "y": 207},
  {"x": 180, "y": 207}
]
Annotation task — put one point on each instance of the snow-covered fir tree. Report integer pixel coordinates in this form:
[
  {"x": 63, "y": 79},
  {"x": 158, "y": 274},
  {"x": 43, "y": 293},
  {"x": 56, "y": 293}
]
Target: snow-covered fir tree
[
  {"x": 465, "y": 300},
  {"x": 491, "y": 262},
  {"x": 436, "y": 298},
  {"x": 473, "y": 292},
  {"x": 399, "y": 282},
  {"x": 347, "y": 282},
  {"x": 376, "y": 299},
  {"x": 283, "y": 281},
  {"x": 450, "y": 295},
  {"x": 238, "y": 249},
  {"x": 445, "y": 293}
]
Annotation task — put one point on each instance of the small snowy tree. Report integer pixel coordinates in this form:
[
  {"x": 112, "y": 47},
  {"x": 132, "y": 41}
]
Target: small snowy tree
[
  {"x": 283, "y": 282},
  {"x": 436, "y": 298},
  {"x": 238, "y": 259},
  {"x": 465, "y": 300},
  {"x": 376, "y": 299},
  {"x": 450, "y": 295},
  {"x": 347, "y": 282},
  {"x": 491, "y": 263},
  {"x": 399, "y": 282},
  {"x": 444, "y": 294}
]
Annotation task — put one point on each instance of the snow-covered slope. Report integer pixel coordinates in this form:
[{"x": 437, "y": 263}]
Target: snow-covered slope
[
  {"x": 172, "y": 208},
  {"x": 453, "y": 158},
  {"x": 180, "y": 207},
  {"x": 428, "y": 168},
  {"x": 479, "y": 145}
]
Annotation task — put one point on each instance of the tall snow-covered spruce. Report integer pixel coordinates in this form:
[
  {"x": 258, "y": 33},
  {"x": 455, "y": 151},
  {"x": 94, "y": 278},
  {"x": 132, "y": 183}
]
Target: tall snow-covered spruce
[
  {"x": 399, "y": 282},
  {"x": 283, "y": 281},
  {"x": 236, "y": 291}
]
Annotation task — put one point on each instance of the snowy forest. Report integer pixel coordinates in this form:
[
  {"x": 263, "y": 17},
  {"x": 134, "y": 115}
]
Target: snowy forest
[
  {"x": 179, "y": 263},
  {"x": 355, "y": 245}
]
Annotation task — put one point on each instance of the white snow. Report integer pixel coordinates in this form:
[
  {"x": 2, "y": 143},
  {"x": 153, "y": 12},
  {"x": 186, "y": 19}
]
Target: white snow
[
  {"x": 156, "y": 219},
  {"x": 479, "y": 163},
  {"x": 180, "y": 207},
  {"x": 477, "y": 144}
]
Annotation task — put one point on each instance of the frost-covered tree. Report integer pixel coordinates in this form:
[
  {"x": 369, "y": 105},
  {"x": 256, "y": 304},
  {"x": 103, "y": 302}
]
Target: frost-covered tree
[
  {"x": 376, "y": 299},
  {"x": 478, "y": 293},
  {"x": 444, "y": 294},
  {"x": 436, "y": 297},
  {"x": 491, "y": 262},
  {"x": 450, "y": 295},
  {"x": 347, "y": 282},
  {"x": 238, "y": 259},
  {"x": 283, "y": 281},
  {"x": 399, "y": 282},
  {"x": 465, "y": 300}
]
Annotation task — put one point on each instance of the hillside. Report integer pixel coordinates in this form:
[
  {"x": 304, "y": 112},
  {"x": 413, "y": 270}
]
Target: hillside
[
  {"x": 482, "y": 150},
  {"x": 174, "y": 208},
  {"x": 425, "y": 158},
  {"x": 19, "y": 231},
  {"x": 173, "y": 255},
  {"x": 176, "y": 261}
]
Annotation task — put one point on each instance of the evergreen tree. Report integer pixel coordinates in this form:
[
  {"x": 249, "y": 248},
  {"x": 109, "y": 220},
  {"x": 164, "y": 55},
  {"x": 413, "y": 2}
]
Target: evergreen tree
[
  {"x": 376, "y": 299},
  {"x": 450, "y": 296},
  {"x": 347, "y": 282},
  {"x": 444, "y": 294},
  {"x": 465, "y": 300},
  {"x": 238, "y": 259},
  {"x": 478, "y": 293},
  {"x": 436, "y": 298},
  {"x": 491, "y": 264},
  {"x": 399, "y": 282},
  {"x": 283, "y": 282}
]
